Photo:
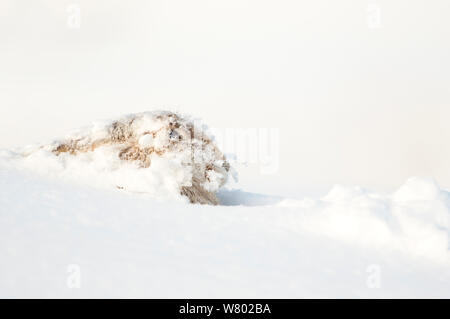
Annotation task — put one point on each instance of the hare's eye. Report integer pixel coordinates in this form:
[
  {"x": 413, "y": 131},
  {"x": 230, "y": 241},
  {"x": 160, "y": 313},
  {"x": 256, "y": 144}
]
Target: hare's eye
[{"x": 173, "y": 134}]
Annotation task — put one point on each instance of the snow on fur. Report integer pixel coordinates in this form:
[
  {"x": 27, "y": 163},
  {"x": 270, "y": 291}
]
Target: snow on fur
[{"x": 161, "y": 153}]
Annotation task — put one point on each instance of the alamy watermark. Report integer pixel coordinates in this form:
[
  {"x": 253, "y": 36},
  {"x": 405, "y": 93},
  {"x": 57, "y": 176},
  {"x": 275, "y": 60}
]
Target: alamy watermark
[
  {"x": 374, "y": 276},
  {"x": 250, "y": 146},
  {"x": 73, "y": 280},
  {"x": 373, "y": 16},
  {"x": 73, "y": 16}
]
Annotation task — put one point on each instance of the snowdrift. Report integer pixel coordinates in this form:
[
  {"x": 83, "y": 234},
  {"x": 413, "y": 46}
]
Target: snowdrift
[
  {"x": 162, "y": 154},
  {"x": 59, "y": 239},
  {"x": 80, "y": 206}
]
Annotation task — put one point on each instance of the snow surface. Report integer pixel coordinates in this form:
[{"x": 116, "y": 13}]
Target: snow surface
[{"x": 253, "y": 245}]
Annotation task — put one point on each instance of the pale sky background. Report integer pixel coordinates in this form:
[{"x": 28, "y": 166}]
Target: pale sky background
[{"x": 354, "y": 104}]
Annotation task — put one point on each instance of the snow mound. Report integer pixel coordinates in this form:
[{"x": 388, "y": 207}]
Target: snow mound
[
  {"x": 163, "y": 154},
  {"x": 418, "y": 189},
  {"x": 63, "y": 240},
  {"x": 415, "y": 219}
]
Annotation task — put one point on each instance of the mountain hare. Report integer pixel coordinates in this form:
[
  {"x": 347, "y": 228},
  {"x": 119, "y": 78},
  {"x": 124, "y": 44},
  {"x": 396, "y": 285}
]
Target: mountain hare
[{"x": 151, "y": 137}]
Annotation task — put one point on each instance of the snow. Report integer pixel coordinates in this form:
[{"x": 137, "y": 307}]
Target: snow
[
  {"x": 146, "y": 140},
  {"x": 161, "y": 139},
  {"x": 351, "y": 242},
  {"x": 68, "y": 230},
  {"x": 370, "y": 112},
  {"x": 418, "y": 189}
]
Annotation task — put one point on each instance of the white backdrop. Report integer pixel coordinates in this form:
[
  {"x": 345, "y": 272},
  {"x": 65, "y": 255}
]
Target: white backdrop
[{"x": 358, "y": 89}]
